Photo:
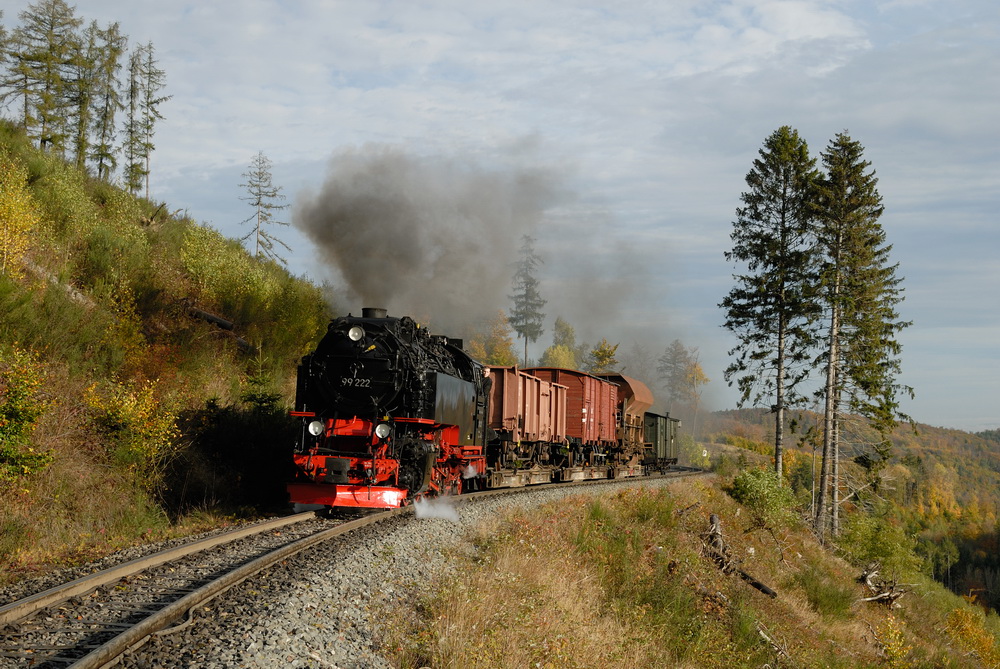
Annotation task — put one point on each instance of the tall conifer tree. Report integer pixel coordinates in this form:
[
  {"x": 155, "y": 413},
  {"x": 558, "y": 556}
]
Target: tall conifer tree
[
  {"x": 81, "y": 91},
  {"x": 673, "y": 367},
  {"x": 106, "y": 99},
  {"x": 43, "y": 52},
  {"x": 132, "y": 145},
  {"x": 860, "y": 293},
  {"x": 145, "y": 82},
  {"x": 772, "y": 306}
]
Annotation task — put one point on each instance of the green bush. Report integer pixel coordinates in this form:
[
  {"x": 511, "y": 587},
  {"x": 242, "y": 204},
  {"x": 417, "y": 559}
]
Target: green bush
[
  {"x": 18, "y": 215},
  {"x": 825, "y": 595},
  {"x": 748, "y": 444},
  {"x": 869, "y": 538},
  {"x": 234, "y": 456},
  {"x": 138, "y": 428},
  {"x": 657, "y": 508},
  {"x": 725, "y": 466},
  {"x": 691, "y": 453},
  {"x": 21, "y": 405},
  {"x": 771, "y": 504},
  {"x": 82, "y": 337},
  {"x": 61, "y": 192}
]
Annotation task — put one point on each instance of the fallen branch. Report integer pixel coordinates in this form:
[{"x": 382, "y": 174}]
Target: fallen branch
[
  {"x": 779, "y": 649},
  {"x": 882, "y": 591},
  {"x": 683, "y": 511},
  {"x": 716, "y": 597},
  {"x": 219, "y": 322},
  {"x": 152, "y": 218},
  {"x": 719, "y": 552}
]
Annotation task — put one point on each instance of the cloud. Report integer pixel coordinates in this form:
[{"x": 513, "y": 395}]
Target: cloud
[{"x": 648, "y": 114}]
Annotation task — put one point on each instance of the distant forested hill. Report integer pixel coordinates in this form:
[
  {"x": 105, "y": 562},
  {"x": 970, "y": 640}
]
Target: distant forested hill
[{"x": 942, "y": 484}]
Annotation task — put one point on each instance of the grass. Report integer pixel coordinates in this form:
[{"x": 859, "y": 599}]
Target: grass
[
  {"x": 826, "y": 594},
  {"x": 76, "y": 516},
  {"x": 621, "y": 581}
]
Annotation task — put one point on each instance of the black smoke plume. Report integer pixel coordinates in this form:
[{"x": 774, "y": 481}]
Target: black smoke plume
[{"x": 428, "y": 237}]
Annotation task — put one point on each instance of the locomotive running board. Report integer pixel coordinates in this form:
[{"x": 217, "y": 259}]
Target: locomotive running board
[{"x": 375, "y": 497}]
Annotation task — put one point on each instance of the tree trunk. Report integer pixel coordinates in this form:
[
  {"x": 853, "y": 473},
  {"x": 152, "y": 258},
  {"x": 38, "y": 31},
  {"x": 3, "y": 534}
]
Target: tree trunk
[
  {"x": 779, "y": 402},
  {"x": 835, "y": 468},
  {"x": 829, "y": 418}
]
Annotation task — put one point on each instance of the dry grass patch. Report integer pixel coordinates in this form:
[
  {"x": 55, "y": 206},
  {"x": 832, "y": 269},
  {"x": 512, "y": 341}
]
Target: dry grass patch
[
  {"x": 79, "y": 507},
  {"x": 622, "y": 581},
  {"x": 524, "y": 601}
]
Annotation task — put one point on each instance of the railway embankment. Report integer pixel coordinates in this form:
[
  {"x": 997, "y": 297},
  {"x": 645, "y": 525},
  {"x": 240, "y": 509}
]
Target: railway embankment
[
  {"x": 633, "y": 578},
  {"x": 636, "y": 572}
]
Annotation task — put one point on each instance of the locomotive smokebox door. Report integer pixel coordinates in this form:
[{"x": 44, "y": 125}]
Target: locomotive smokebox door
[{"x": 336, "y": 470}]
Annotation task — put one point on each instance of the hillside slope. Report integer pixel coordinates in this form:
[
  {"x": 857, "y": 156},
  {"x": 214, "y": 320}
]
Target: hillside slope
[
  {"x": 144, "y": 361},
  {"x": 631, "y": 579}
]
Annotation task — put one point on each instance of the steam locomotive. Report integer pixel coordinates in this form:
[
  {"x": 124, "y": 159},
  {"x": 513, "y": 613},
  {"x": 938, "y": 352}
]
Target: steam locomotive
[{"x": 392, "y": 414}]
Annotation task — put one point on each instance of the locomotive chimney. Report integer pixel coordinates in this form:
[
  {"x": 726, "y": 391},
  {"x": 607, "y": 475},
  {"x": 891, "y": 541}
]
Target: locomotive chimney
[{"x": 373, "y": 312}]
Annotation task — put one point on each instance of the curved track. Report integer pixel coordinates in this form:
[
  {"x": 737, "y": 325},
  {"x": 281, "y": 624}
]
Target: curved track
[{"x": 92, "y": 621}]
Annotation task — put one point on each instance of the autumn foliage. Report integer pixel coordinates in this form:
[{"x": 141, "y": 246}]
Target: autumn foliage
[
  {"x": 106, "y": 353},
  {"x": 18, "y": 217}
]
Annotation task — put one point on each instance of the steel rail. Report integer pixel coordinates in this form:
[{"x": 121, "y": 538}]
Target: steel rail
[
  {"x": 136, "y": 635},
  {"x": 24, "y": 607}
]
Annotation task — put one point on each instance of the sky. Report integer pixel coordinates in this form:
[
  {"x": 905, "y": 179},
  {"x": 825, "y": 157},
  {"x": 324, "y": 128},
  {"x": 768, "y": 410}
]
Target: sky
[{"x": 418, "y": 141}]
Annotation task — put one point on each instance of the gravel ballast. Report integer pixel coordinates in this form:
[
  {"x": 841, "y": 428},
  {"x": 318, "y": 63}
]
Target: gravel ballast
[{"x": 320, "y": 608}]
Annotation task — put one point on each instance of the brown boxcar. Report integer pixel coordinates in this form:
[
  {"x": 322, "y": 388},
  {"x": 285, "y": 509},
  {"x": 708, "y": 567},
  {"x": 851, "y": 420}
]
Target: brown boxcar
[
  {"x": 530, "y": 408},
  {"x": 635, "y": 398},
  {"x": 591, "y": 404}
]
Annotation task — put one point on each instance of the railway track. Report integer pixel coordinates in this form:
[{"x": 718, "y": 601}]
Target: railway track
[{"x": 92, "y": 621}]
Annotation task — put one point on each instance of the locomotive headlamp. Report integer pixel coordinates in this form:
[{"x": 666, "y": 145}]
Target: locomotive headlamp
[
  {"x": 316, "y": 428},
  {"x": 382, "y": 430},
  {"x": 356, "y": 333}
]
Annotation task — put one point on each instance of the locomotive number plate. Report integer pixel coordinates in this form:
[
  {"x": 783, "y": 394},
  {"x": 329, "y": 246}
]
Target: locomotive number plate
[{"x": 355, "y": 383}]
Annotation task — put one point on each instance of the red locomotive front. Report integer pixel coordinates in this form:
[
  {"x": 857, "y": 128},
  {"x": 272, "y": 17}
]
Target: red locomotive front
[{"x": 389, "y": 414}]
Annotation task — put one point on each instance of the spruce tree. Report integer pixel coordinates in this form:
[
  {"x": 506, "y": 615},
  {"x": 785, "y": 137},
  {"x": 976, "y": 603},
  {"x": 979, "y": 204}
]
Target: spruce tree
[
  {"x": 772, "y": 307},
  {"x": 145, "y": 82},
  {"x": 526, "y": 316},
  {"x": 43, "y": 51},
  {"x": 106, "y": 99},
  {"x": 672, "y": 368},
  {"x": 154, "y": 80},
  {"x": 263, "y": 197},
  {"x": 81, "y": 92},
  {"x": 860, "y": 291},
  {"x": 133, "y": 146}
]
